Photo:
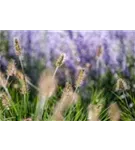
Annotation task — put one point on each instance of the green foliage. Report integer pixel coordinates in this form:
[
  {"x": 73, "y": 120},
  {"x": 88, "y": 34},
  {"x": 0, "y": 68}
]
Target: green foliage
[{"x": 24, "y": 107}]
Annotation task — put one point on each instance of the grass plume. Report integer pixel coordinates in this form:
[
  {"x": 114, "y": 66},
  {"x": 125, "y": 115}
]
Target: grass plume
[
  {"x": 79, "y": 81},
  {"x": 11, "y": 69},
  {"x": 59, "y": 63},
  {"x": 65, "y": 102},
  {"x": 3, "y": 83},
  {"x": 94, "y": 112},
  {"x": 121, "y": 85},
  {"x": 5, "y": 101},
  {"x": 47, "y": 87},
  {"x": 114, "y": 112}
]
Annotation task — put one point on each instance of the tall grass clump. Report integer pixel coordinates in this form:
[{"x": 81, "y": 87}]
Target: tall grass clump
[{"x": 98, "y": 91}]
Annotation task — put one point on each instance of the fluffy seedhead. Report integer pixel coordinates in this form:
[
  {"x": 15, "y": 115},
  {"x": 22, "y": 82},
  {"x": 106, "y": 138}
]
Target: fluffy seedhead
[
  {"x": 24, "y": 86},
  {"x": 58, "y": 116},
  {"x": 47, "y": 84},
  {"x": 114, "y": 112},
  {"x": 67, "y": 96},
  {"x": 2, "y": 79},
  {"x": 94, "y": 112},
  {"x": 11, "y": 69},
  {"x": 20, "y": 76},
  {"x": 17, "y": 46},
  {"x": 5, "y": 101},
  {"x": 65, "y": 102},
  {"x": 18, "y": 49},
  {"x": 60, "y": 60},
  {"x": 121, "y": 85},
  {"x": 47, "y": 87},
  {"x": 16, "y": 86},
  {"x": 80, "y": 78},
  {"x": 68, "y": 88}
]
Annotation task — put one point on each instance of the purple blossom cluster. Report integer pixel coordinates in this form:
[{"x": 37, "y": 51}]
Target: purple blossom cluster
[{"x": 80, "y": 47}]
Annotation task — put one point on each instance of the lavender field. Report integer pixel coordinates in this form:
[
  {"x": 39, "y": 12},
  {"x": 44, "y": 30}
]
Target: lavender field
[{"x": 67, "y": 75}]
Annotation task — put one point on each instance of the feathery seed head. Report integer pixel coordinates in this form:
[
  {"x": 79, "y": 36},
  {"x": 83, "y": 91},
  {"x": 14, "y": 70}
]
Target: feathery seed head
[
  {"x": 24, "y": 85},
  {"x": 121, "y": 85},
  {"x": 67, "y": 95},
  {"x": 94, "y": 111},
  {"x": 19, "y": 75},
  {"x": 65, "y": 101},
  {"x": 18, "y": 49},
  {"x": 16, "y": 86},
  {"x": 60, "y": 60},
  {"x": 47, "y": 84},
  {"x": 11, "y": 69},
  {"x": 80, "y": 78},
  {"x": 68, "y": 88},
  {"x": 5, "y": 100},
  {"x": 24, "y": 88},
  {"x": 114, "y": 112},
  {"x": 2, "y": 79},
  {"x": 57, "y": 116}
]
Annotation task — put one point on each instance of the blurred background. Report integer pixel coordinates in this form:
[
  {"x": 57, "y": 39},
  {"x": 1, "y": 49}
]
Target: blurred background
[{"x": 103, "y": 53}]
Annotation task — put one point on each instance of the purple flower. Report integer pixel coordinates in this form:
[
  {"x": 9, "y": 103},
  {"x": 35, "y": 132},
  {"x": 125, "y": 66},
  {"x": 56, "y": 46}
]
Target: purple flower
[{"x": 80, "y": 48}]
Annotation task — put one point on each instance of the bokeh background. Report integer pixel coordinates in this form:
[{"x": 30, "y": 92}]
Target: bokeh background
[{"x": 42, "y": 48}]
